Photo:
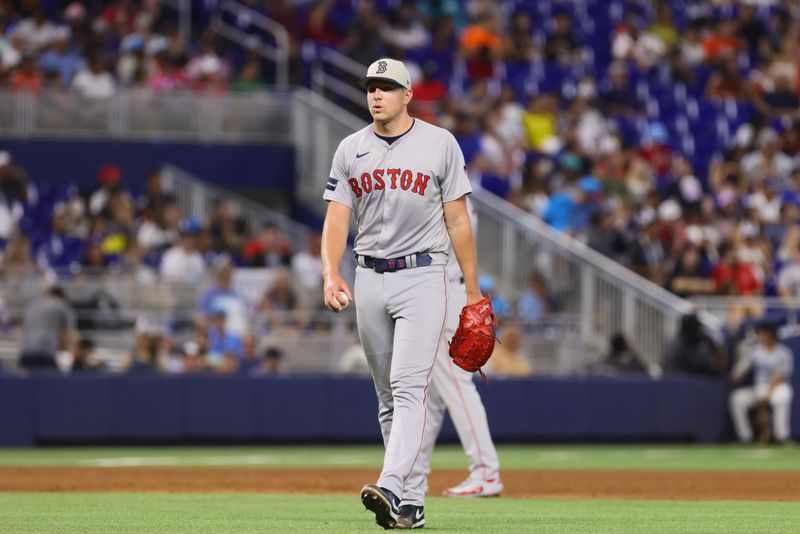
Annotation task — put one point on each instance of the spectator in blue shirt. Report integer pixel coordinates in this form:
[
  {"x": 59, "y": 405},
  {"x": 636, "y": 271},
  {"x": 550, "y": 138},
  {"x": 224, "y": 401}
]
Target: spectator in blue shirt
[
  {"x": 225, "y": 350},
  {"x": 221, "y": 295}
]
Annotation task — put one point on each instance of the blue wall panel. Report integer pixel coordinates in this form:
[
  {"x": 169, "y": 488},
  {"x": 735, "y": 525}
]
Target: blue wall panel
[
  {"x": 17, "y": 404},
  {"x": 51, "y": 409},
  {"x": 144, "y": 408},
  {"x": 230, "y": 166},
  {"x": 73, "y": 409}
]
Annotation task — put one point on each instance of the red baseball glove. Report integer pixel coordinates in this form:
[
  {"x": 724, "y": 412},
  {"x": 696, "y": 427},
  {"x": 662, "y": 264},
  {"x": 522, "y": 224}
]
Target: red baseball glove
[{"x": 473, "y": 341}]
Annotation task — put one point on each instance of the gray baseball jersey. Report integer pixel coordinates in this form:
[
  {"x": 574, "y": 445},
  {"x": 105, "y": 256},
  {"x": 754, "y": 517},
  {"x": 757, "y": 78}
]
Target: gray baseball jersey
[{"x": 396, "y": 191}]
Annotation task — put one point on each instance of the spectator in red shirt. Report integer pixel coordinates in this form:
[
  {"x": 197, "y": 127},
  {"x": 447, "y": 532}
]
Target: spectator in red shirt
[
  {"x": 731, "y": 277},
  {"x": 27, "y": 77}
]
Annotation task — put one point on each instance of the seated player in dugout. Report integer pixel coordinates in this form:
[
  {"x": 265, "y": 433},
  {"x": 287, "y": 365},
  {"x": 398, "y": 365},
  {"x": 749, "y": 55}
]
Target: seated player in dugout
[{"x": 405, "y": 182}]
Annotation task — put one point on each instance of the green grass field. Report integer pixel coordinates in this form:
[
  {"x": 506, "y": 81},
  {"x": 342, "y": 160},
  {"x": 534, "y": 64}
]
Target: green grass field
[{"x": 66, "y": 513}]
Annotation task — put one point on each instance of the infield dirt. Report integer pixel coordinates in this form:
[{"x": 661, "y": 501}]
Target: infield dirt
[{"x": 627, "y": 484}]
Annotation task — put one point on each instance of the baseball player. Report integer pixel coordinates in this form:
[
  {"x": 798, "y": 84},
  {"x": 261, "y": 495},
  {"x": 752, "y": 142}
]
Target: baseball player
[
  {"x": 405, "y": 181},
  {"x": 452, "y": 388}
]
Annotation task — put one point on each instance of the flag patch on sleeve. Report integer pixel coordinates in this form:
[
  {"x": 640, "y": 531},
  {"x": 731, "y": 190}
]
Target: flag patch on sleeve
[{"x": 331, "y": 186}]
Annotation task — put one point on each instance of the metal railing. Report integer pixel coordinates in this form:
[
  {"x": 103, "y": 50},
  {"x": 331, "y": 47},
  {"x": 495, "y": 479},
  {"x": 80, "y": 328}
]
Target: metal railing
[
  {"x": 144, "y": 114},
  {"x": 732, "y": 311},
  {"x": 278, "y": 53},
  {"x": 609, "y": 298},
  {"x": 335, "y": 76},
  {"x": 318, "y": 128}
]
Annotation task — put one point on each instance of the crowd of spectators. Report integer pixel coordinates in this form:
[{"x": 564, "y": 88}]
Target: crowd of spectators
[{"x": 662, "y": 134}]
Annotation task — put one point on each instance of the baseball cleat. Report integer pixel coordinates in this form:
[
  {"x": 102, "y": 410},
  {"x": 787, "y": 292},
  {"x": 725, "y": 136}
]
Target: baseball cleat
[
  {"x": 411, "y": 516},
  {"x": 476, "y": 487},
  {"x": 383, "y": 503}
]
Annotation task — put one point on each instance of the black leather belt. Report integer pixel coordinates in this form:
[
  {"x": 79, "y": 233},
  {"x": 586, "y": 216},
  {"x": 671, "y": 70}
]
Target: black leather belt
[{"x": 390, "y": 265}]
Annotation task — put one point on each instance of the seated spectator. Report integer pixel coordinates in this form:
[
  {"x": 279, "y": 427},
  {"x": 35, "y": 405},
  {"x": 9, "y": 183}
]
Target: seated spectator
[
  {"x": 693, "y": 351},
  {"x": 27, "y": 78},
  {"x": 267, "y": 250},
  {"x": 772, "y": 364},
  {"x": 196, "y": 356},
  {"x": 541, "y": 122},
  {"x": 648, "y": 258},
  {"x": 789, "y": 279},
  {"x": 570, "y": 209},
  {"x": 17, "y": 261},
  {"x": 273, "y": 362},
  {"x": 537, "y": 300},
  {"x": 561, "y": 45},
  {"x": 250, "y": 77},
  {"x": 59, "y": 250},
  {"x": 228, "y": 232},
  {"x": 144, "y": 356},
  {"x": 500, "y": 305},
  {"x": 768, "y": 160},
  {"x": 307, "y": 271},
  {"x": 518, "y": 43},
  {"x": 222, "y": 296},
  {"x": 251, "y": 358},
  {"x": 36, "y": 32},
  {"x": 160, "y": 228},
  {"x": 82, "y": 360},
  {"x": 726, "y": 82},
  {"x": 690, "y": 276},
  {"x": 95, "y": 82},
  {"x": 404, "y": 29},
  {"x": 507, "y": 359},
  {"x": 622, "y": 358},
  {"x": 722, "y": 40},
  {"x": 109, "y": 179},
  {"x": 94, "y": 260},
  {"x": 619, "y": 98},
  {"x": 280, "y": 306},
  {"x": 63, "y": 59},
  {"x": 47, "y": 324},
  {"x": 182, "y": 263},
  {"x": 225, "y": 349},
  {"x": 480, "y": 45}
]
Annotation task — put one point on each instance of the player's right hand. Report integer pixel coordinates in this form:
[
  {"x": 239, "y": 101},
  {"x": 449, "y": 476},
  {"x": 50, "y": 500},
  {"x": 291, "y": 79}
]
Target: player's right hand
[{"x": 332, "y": 286}]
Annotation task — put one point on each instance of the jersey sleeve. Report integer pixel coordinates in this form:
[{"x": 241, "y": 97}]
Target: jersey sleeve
[
  {"x": 454, "y": 181},
  {"x": 336, "y": 187}
]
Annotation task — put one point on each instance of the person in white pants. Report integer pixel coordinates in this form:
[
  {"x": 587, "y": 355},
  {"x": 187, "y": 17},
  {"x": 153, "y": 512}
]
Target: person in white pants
[
  {"x": 772, "y": 363},
  {"x": 452, "y": 388}
]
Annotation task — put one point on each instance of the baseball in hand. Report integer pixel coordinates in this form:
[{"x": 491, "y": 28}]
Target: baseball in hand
[{"x": 343, "y": 299}]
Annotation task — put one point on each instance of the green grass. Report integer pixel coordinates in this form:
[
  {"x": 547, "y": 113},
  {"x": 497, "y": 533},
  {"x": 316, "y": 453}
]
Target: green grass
[
  {"x": 725, "y": 458},
  {"x": 61, "y": 513}
]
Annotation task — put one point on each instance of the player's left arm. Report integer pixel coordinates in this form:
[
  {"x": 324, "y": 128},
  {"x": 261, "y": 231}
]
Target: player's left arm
[{"x": 459, "y": 228}]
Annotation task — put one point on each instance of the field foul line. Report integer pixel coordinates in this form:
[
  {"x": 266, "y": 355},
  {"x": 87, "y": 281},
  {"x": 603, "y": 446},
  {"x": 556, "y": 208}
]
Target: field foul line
[{"x": 251, "y": 459}]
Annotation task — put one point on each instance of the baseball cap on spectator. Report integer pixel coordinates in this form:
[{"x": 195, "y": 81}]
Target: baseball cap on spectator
[
  {"x": 657, "y": 133},
  {"x": 690, "y": 188},
  {"x": 669, "y": 210},
  {"x": 109, "y": 174},
  {"x": 590, "y": 185},
  {"x": 570, "y": 161},
  {"x": 74, "y": 11},
  {"x": 389, "y": 70},
  {"x": 189, "y": 227}
]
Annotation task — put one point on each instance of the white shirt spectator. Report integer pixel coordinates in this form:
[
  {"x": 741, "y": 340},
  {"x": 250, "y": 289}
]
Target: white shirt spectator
[
  {"x": 307, "y": 272},
  {"x": 789, "y": 280},
  {"x": 152, "y": 236},
  {"x": 38, "y": 36},
  {"x": 93, "y": 84},
  {"x": 181, "y": 265}
]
